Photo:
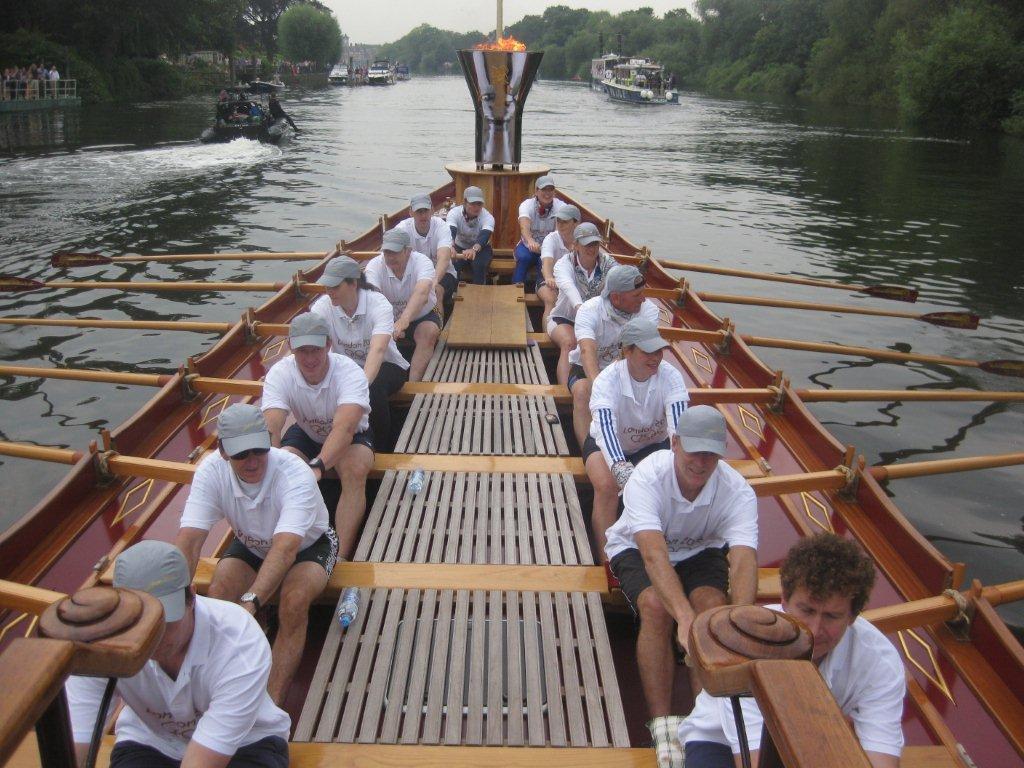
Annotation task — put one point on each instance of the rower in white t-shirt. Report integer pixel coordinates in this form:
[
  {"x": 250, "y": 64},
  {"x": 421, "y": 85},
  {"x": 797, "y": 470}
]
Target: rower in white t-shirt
[
  {"x": 686, "y": 542},
  {"x": 826, "y": 582},
  {"x": 282, "y": 543},
  {"x": 202, "y": 697},
  {"x": 598, "y": 324},
  {"x": 579, "y": 275},
  {"x": 406, "y": 278},
  {"x": 362, "y": 323},
  {"x": 536, "y": 220},
  {"x": 430, "y": 235},
  {"x": 472, "y": 226},
  {"x": 327, "y": 395},
  {"x": 553, "y": 247},
  {"x": 636, "y": 403}
]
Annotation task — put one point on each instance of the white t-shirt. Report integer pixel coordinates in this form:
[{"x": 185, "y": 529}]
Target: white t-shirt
[
  {"x": 288, "y": 501},
  {"x": 628, "y": 418},
  {"x": 596, "y": 321},
  {"x": 398, "y": 291},
  {"x": 863, "y": 672},
  {"x": 438, "y": 236},
  {"x": 724, "y": 512},
  {"x": 219, "y": 698},
  {"x": 468, "y": 232},
  {"x": 569, "y": 298},
  {"x": 351, "y": 336},
  {"x": 553, "y": 247},
  {"x": 313, "y": 405},
  {"x": 540, "y": 226}
]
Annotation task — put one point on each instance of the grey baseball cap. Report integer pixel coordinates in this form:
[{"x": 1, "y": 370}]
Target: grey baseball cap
[
  {"x": 395, "y": 240},
  {"x": 545, "y": 181},
  {"x": 622, "y": 277},
  {"x": 473, "y": 195},
  {"x": 587, "y": 233},
  {"x": 339, "y": 268},
  {"x": 568, "y": 213},
  {"x": 158, "y": 568},
  {"x": 420, "y": 203},
  {"x": 308, "y": 330},
  {"x": 242, "y": 427},
  {"x": 702, "y": 428},
  {"x": 641, "y": 332}
]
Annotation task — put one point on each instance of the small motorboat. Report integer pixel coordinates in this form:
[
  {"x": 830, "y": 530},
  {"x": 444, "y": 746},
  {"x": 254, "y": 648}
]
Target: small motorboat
[
  {"x": 339, "y": 75},
  {"x": 242, "y": 114}
]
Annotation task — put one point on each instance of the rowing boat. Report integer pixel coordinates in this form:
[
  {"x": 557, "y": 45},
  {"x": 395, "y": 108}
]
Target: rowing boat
[{"x": 484, "y": 623}]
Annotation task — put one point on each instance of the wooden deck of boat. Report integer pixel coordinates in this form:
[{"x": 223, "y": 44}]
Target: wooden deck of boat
[{"x": 473, "y": 666}]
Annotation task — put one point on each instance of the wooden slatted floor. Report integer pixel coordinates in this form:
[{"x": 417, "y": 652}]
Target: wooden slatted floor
[{"x": 468, "y": 666}]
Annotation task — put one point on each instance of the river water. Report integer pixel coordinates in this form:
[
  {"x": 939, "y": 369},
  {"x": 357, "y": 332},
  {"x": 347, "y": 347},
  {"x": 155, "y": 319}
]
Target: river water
[{"x": 834, "y": 194}]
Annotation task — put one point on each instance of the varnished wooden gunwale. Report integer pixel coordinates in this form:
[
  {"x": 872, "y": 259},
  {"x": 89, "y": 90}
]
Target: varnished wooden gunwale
[{"x": 911, "y": 565}]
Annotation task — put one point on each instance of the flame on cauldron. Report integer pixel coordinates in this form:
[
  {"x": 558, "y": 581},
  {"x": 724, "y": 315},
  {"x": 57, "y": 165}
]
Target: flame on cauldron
[{"x": 501, "y": 44}]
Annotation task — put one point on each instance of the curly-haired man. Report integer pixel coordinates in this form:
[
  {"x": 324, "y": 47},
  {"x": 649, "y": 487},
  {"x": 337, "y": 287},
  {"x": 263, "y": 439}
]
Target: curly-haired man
[{"x": 826, "y": 581}]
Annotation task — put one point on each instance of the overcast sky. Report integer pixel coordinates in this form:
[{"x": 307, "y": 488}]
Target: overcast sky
[{"x": 384, "y": 21}]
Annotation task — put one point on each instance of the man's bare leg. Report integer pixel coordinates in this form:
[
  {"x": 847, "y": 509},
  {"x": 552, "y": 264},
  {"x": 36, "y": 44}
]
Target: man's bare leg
[
  {"x": 565, "y": 338},
  {"x": 425, "y": 339},
  {"x": 654, "y": 653},
  {"x": 580, "y": 409},
  {"x": 231, "y": 579},
  {"x": 353, "y": 467},
  {"x": 301, "y": 586}
]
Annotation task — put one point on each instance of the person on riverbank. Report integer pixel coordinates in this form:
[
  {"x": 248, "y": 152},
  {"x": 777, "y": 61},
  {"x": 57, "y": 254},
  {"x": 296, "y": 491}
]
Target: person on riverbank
[
  {"x": 201, "y": 699},
  {"x": 407, "y": 279},
  {"x": 362, "y": 324},
  {"x": 579, "y": 276},
  {"x": 598, "y": 325},
  {"x": 826, "y": 582},
  {"x": 283, "y": 544},
  {"x": 636, "y": 403},
  {"x": 430, "y": 235},
  {"x": 536, "y": 221},
  {"x": 553, "y": 247},
  {"x": 472, "y": 226},
  {"x": 686, "y": 542},
  {"x": 327, "y": 395}
]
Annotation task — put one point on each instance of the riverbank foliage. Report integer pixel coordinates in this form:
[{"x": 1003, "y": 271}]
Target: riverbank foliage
[
  {"x": 953, "y": 64},
  {"x": 306, "y": 33},
  {"x": 120, "y": 50}
]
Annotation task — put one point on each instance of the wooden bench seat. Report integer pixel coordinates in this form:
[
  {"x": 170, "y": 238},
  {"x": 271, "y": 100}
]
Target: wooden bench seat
[{"x": 326, "y": 755}]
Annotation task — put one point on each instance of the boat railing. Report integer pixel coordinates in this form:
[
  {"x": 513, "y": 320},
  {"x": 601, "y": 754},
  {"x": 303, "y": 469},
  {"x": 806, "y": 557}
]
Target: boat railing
[{"x": 32, "y": 90}]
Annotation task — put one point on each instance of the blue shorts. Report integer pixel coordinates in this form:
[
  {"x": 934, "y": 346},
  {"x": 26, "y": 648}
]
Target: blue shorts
[
  {"x": 296, "y": 437},
  {"x": 708, "y": 754}
]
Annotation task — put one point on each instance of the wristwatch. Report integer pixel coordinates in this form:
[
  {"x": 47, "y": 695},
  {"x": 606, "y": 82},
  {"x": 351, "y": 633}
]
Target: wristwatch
[
  {"x": 317, "y": 463},
  {"x": 250, "y": 597}
]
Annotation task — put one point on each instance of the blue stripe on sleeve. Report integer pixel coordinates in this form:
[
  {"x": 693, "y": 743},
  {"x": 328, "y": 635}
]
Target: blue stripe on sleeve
[{"x": 611, "y": 440}]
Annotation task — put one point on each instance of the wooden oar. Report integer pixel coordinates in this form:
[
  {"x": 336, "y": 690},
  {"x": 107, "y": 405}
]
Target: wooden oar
[
  {"x": 772, "y": 485},
  {"x": 964, "y": 320},
  {"x": 70, "y": 259},
  {"x": 932, "y": 610},
  {"x": 17, "y": 284},
  {"x": 1000, "y": 367},
  {"x": 135, "y": 325},
  {"x": 710, "y": 396},
  {"x": 881, "y": 290}
]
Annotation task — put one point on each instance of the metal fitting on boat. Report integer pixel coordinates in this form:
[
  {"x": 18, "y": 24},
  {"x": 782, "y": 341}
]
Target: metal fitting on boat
[
  {"x": 961, "y": 624},
  {"x": 724, "y": 347}
]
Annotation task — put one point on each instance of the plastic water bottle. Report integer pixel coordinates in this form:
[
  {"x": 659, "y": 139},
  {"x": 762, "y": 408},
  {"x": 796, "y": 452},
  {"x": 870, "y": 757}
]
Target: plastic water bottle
[
  {"x": 348, "y": 607},
  {"x": 415, "y": 481}
]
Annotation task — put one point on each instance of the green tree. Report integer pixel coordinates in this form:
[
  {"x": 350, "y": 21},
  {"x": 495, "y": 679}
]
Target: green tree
[
  {"x": 306, "y": 33},
  {"x": 965, "y": 72}
]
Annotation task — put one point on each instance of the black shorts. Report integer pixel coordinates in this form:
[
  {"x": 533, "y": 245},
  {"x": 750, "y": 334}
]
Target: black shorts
[
  {"x": 268, "y": 752},
  {"x": 708, "y": 568},
  {"x": 576, "y": 373},
  {"x": 323, "y": 551},
  {"x": 562, "y": 321},
  {"x": 410, "y": 333},
  {"x": 590, "y": 447},
  {"x": 450, "y": 283},
  {"x": 296, "y": 437}
]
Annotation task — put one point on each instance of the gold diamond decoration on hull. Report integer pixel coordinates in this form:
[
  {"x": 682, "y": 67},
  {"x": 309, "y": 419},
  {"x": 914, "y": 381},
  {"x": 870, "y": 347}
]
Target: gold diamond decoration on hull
[
  {"x": 701, "y": 358},
  {"x": 935, "y": 675},
  {"x": 214, "y": 409},
  {"x": 751, "y": 422},
  {"x": 826, "y": 514},
  {"x": 144, "y": 488}
]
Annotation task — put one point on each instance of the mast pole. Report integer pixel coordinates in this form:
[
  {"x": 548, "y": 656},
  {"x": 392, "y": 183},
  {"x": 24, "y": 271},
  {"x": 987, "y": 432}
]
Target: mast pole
[{"x": 499, "y": 30}]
